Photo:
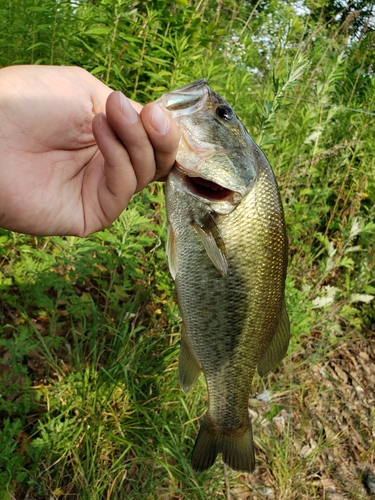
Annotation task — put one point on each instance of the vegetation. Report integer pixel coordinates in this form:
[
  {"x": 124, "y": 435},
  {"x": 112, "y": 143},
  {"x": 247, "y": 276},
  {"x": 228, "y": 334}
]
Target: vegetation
[{"x": 90, "y": 406}]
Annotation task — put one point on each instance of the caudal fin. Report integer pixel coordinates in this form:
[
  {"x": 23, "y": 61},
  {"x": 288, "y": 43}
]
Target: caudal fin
[{"x": 237, "y": 451}]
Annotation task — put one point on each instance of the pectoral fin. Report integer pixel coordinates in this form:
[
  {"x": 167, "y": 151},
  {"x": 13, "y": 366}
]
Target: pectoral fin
[
  {"x": 188, "y": 368},
  {"x": 171, "y": 252},
  {"x": 213, "y": 242},
  {"x": 278, "y": 347}
]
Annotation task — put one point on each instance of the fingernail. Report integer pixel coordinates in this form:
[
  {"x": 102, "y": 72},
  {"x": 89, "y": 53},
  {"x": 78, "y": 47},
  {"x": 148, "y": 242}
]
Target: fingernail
[
  {"x": 130, "y": 114},
  {"x": 159, "y": 120},
  {"x": 105, "y": 126}
]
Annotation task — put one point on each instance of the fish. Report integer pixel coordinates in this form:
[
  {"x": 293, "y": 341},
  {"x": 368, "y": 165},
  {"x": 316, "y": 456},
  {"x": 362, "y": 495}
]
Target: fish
[{"x": 227, "y": 251}]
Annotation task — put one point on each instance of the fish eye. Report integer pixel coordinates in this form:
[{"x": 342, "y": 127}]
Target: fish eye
[{"x": 225, "y": 112}]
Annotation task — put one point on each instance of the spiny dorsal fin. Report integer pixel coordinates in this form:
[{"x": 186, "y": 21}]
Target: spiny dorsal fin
[
  {"x": 278, "y": 347},
  {"x": 213, "y": 242}
]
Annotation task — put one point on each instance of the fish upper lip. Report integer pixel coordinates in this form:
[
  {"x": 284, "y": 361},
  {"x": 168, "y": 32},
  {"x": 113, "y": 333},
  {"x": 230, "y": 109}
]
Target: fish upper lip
[
  {"x": 188, "y": 172},
  {"x": 197, "y": 148}
]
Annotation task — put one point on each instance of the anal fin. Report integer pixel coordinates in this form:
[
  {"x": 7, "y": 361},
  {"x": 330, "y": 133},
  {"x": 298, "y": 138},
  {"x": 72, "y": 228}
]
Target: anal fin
[{"x": 188, "y": 367}]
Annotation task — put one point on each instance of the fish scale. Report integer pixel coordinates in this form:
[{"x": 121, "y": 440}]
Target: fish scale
[{"x": 228, "y": 257}]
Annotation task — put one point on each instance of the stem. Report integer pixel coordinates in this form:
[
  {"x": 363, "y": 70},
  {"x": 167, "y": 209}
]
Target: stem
[
  {"x": 33, "y": 39},
  {"x": 359, "y": 73},
  {"x": 53, "y": 36},
  {"x": 227, "y": 488},
  {"x": 250, "y": 17},
  {"x": 112, "y": 43},
  {"x": 143, "y": 51}
]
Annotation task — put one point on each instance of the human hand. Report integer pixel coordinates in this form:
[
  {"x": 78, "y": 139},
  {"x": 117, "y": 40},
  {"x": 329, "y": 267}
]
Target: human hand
[{"x": 65, "y": 167}]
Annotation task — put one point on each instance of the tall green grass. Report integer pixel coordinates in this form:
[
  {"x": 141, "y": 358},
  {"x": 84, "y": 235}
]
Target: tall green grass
[{"x": 90, "y": 406}]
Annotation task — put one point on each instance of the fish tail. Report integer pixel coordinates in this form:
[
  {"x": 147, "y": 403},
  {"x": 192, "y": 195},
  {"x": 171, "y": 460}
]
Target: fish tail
[{"x": 237, "y": 451}]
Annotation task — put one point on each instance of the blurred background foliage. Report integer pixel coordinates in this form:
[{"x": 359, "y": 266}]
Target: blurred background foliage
[{"x": 90, "y": 406}]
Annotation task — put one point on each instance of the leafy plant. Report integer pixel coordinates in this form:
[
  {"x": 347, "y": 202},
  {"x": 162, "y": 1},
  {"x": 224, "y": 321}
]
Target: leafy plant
[{"x": 90, "y": 405}]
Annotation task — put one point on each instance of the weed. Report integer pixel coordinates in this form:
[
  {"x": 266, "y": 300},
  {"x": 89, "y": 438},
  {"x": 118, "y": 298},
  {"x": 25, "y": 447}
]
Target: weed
[{"x": 90, "y": 406}]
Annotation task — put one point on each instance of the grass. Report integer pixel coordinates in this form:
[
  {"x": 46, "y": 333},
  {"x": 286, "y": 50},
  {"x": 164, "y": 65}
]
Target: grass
[{"x": 90, "y": 406}]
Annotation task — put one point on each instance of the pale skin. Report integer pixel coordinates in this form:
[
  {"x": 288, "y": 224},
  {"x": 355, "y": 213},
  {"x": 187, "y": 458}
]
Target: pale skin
[{"x": 73, "y": 152}]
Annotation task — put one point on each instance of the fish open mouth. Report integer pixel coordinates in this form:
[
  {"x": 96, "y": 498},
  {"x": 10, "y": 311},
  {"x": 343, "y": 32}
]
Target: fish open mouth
[{"x": 208, "y": 189}]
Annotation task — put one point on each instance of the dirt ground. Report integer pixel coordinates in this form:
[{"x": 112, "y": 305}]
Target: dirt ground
[{"x": 324, "y": 431}]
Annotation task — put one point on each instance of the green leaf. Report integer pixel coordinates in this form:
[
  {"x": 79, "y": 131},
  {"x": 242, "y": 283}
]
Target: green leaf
[
  {"x": 98, "y": 31},
  {"x": 98, "y": 70}
]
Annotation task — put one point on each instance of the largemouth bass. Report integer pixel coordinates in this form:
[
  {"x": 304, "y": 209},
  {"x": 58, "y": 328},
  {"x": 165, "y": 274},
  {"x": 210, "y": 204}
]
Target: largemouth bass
[{"x": 227, "y": 251}]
